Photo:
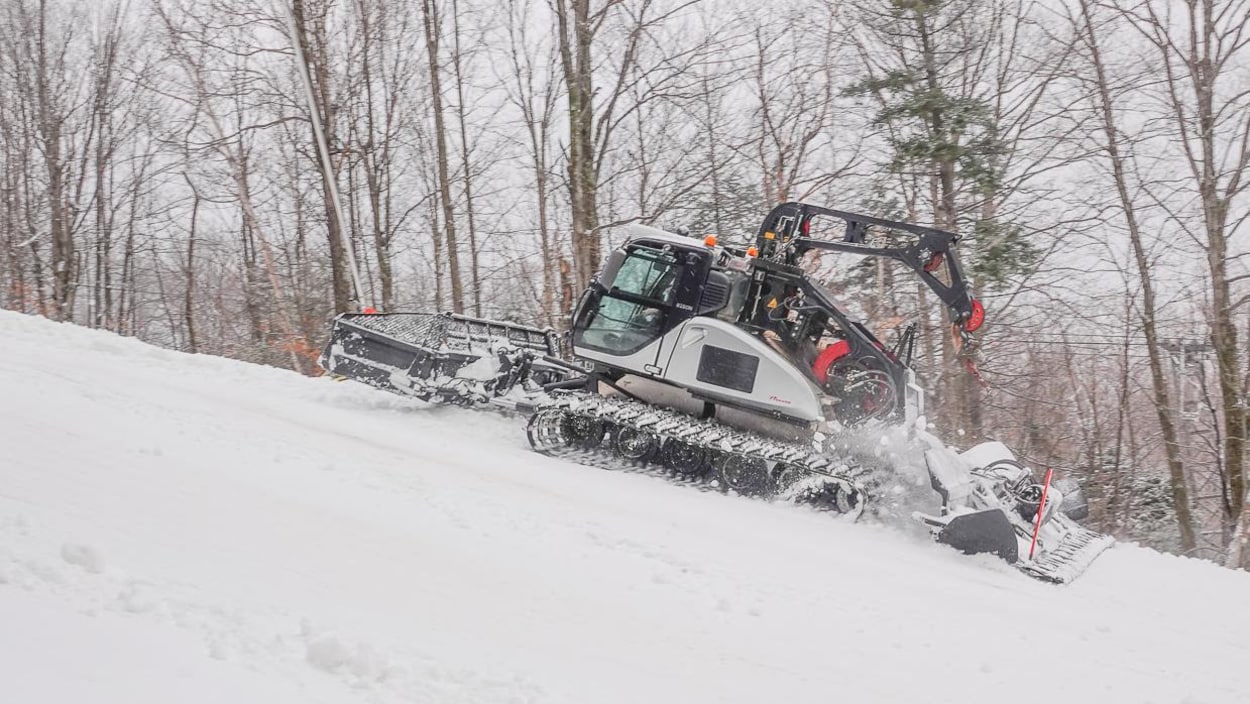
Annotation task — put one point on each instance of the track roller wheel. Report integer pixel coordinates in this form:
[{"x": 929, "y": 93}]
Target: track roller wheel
[
  {"x": 684, "y": 458},
  {"x": 545, "y": 431},
  {"x": 583, "y": 433},
  {"x": 747, "y": 476},
  {"x": 785, "y": 474},
  {"x": 835, "y": 497},
  {"x": 633, "y": 444}
]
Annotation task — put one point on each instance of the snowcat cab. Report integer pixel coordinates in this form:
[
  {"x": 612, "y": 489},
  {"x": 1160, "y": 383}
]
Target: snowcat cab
[{"x": 644, "y": 291}]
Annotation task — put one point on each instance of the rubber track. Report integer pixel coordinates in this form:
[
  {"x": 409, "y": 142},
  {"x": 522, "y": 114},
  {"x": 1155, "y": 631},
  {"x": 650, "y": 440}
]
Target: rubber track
[{"x": 809, "y": 471}]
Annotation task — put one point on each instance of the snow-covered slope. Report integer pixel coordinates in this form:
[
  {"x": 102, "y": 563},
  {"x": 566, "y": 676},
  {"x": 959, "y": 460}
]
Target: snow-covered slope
[{"x": 177, "y": 528}]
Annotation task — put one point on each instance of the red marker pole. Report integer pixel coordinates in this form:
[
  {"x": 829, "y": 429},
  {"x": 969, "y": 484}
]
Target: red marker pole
[{"x": 1041, "y": 509}]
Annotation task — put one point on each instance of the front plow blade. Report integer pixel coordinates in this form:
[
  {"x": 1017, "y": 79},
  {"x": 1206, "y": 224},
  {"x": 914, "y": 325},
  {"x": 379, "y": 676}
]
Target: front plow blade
[
  {"x": 1064, "y": 548},
  {"x": 986, "y": 531}
]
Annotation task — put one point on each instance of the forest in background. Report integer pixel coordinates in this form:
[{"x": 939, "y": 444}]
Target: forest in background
[{"x": 159, "y": 178}]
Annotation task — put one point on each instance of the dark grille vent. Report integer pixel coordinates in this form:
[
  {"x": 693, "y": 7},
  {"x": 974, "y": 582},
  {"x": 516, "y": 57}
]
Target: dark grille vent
[{"x": 715, "y": 293}]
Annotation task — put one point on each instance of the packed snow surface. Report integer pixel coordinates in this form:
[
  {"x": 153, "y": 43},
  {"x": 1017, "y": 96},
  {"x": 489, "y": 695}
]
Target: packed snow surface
[{"x": 178, "y": 528}]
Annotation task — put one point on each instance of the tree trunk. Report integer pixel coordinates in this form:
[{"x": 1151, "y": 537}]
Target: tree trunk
[
  {"x": 1204, "y": 73},
  {"x": 474, "y": 258},
  {"x": 50, "y": 121},
  {"x": 432, "y": 24},
  {"x": 188, "y": 300},
  {"x": 377, "y": 156},
  {"x": 576, "y": 34}
]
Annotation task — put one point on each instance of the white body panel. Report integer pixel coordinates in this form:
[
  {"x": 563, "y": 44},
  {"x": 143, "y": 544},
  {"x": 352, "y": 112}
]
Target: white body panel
[{"x": 778, "y": 385}]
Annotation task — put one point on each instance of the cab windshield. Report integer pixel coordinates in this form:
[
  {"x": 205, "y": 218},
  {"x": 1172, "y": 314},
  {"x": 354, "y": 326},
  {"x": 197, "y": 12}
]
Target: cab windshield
[{"x": 631, "y": 311}]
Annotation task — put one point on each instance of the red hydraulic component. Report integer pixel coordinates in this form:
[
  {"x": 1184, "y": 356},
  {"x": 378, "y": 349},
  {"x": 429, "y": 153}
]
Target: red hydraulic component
[
  {"x": 976, "y": 318},
  {"x": 827, "y": 357}
]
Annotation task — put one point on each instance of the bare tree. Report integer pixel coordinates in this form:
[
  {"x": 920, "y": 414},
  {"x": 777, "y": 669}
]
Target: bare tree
[
  {"x": 180, "y": 43},
  {"x": 597, "y": 114},
  {"x": 311, "y": 32},
  {"x": 533, "y": 90},
  {"x": 39, "y": 50},
  {"x": 384, "y": 77},
  {"x": 1111, "y": 147},
  {"x": 433, "y": 31},
  {"x": 801, "y": 63},
  {"x": 1202, "y": 47}
]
